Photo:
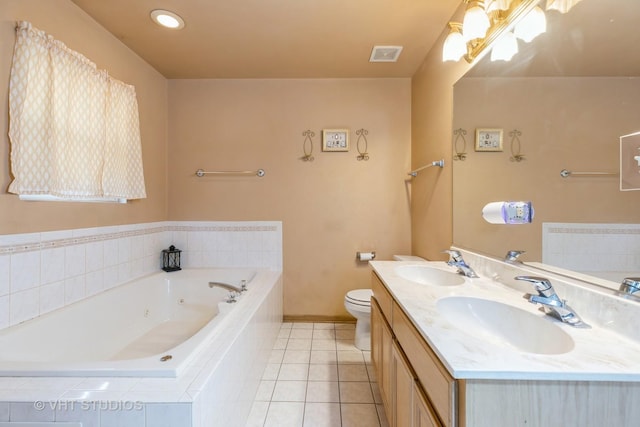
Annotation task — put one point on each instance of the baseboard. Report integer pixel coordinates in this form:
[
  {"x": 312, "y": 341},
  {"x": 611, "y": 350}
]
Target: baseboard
[{"x": 318, "y": 319}]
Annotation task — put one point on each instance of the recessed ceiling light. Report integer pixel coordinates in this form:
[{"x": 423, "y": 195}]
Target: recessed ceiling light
[{"x": 167, "y": 19}]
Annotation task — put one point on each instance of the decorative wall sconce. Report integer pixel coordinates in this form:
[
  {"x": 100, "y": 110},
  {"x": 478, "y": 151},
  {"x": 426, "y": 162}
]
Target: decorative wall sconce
[
  {"x": 489, "y": 24},
  {"x": 171, "y": 259},
  {"x": 516, "y": 146},
  {"x": 307, "y": 145},
  {"x": 459, "y": 144},
  {"x": 362, "y": 144}
]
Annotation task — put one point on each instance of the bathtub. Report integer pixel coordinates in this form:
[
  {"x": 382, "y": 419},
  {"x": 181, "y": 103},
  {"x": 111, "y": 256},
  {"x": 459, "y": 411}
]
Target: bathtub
[{"x": 150, "y": 327}]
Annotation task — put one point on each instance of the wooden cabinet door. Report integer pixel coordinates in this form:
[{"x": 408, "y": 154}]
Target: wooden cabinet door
[
  {"x": 381, "y": 344},
  {"x": 423, "y": 413},
  {"x": 403, "y": 381}
]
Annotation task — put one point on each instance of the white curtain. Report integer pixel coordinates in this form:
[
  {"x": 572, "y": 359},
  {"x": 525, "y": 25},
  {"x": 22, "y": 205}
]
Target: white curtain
[{"x": 74, "y": 130}]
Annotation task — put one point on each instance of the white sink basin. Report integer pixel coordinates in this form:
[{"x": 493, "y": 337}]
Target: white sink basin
[
  {"x": 429, "y": 275},
  {"x": 505, "y": 324}
]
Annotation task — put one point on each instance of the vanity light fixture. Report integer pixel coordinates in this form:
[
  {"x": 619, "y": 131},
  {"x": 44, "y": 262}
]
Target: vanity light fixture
[
  {"x": 167, "y": 19},
  {"x": 505, "y": 47},
  {"x": 562, "y": 6},
  {"x": 502, "y": 16},
  {"x": 455, "y": 46},
  {"x": 531, "y": 26}
]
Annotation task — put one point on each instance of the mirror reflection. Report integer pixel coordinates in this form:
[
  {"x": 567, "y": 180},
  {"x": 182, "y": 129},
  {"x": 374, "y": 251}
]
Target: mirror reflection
[{"x": 571, "y": 94}]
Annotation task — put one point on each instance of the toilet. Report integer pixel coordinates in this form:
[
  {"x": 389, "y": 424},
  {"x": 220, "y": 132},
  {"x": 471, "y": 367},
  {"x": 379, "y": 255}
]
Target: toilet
[{"x": 358, "y": 304}]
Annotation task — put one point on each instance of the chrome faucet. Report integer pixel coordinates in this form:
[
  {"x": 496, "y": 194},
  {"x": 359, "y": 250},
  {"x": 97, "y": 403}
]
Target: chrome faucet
[
  {"x": 630, "y": 285},
  {"x": 229, "y": 287},
  {"x": 551, "y": 302},
  {"x": 512, "y": 256},
  {"x": 456, "y": 260}
]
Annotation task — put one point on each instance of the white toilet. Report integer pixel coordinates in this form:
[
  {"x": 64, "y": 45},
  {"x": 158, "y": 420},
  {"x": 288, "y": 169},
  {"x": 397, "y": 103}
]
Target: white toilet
[{"x": 358, "y": 304}]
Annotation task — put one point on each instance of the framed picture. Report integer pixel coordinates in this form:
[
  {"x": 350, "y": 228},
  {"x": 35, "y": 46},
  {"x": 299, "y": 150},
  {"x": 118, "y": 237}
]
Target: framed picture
[
  {"x": 488, "y": 139},
  {"x": 335, "y": 140}
]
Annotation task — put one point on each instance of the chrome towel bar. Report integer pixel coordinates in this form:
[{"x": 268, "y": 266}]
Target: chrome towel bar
[
  {"x": 439, "y": 163},
  {"x": 259, "y": 173},
  {"x": 566, "y": 173}
]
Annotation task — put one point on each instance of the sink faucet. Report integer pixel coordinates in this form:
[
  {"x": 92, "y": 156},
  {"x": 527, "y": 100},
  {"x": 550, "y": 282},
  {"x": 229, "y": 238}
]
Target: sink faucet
[
  {"x": 630, "y": 285},
  {"x": 551, "y": 302},
  {"x": 512, "y": 256},
  {"x": 456, "y": 260},
  {"x": 229, "y": 287}
]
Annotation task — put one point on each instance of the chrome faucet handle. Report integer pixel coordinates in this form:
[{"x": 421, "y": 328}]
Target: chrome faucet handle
[
  {"x": 630, "y": 285},
  {"x": 542, "y": 285},
  {"x": 243, "y": 286},
  {"x": 232, "y": 297},
  {"x": 512, "y": 256},
  {"x": 454, "y": 255}
]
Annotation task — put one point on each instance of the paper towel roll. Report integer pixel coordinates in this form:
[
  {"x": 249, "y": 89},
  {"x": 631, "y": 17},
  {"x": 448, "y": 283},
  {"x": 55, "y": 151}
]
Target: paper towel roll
[
  {"x": 365, "y": 256},
  {"x": 492, "y": 212}
]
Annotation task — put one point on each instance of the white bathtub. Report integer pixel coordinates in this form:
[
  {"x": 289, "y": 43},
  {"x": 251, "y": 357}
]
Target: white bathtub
[{"x": 128, "y": 330}]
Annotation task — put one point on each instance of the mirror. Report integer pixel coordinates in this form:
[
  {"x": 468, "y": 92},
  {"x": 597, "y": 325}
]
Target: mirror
[{"x": 572, "y": 93}]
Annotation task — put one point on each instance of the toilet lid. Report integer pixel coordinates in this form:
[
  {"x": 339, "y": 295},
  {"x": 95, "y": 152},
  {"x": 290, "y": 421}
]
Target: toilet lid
[{"x": 360, "y": 296}]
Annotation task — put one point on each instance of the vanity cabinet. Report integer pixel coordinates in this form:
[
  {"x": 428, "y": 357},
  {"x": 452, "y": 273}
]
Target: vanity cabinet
[{"x": 401, "y": 388}]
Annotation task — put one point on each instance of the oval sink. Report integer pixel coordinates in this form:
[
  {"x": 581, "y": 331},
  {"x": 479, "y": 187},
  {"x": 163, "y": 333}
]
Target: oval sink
[
  {"x": 505, "y": 324},
  {"x": 429, "y": 275}
]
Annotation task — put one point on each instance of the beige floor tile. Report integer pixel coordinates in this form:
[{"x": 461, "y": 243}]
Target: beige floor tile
[
  {"x": 281, "y": 344},
  {"x": 322, "y": 415},
  {"x": 285, "y": 414},
  {"x": 346, "y": 326},
  {"x": 323, "y": 372},
  {"x": 296, "y": 356},
  {"x": 286, "y": 325},
  {"x": 345, "y": 334},
  {"x": 324, "y": 334},
  {"x": 302, "y": 325},
  {"x": 359, "y": 415},
  {"x": 265, "y": 391},
  {"x": 293, "y": 371},
  {"x": 276, "y": 356},
  {"x": 299, "y": 344},
  {"x": 353, "y": 372},
  {"x": 371, "y": 370},
  {"x": 323, "y": 345},
  {"x": 289, "y": 391},
  {"x": 346, "y": 345},
  {"x": 323, "y": 356},
  {"x": 284, "y": 333},
  {"x": 271, "y": 371},
  {"x": 323, "y": 391},
  {"x": 301, "y": 333},
  {"x": 377, "y": 397},
  {"x": 323, "y": 325},
  {"x": 350, "y": 357},
  {"x": 354, "y": 392}
]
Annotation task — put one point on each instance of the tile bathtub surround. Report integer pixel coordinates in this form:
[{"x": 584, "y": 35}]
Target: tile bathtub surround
[
  {"x": 317, "y": 377},
  {"x": 41, "y": 272}
]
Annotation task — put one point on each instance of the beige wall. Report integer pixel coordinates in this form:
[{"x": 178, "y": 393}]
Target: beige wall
[
  {"x": 431, "y": 128},
  {"x": 566, "y": 123},
  {"x": 331, "y": 207},
  {"x": 66, "y": 22}
]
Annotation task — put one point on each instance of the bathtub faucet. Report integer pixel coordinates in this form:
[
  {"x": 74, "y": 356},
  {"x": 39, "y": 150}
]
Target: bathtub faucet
[{"x": 230, "y": 287}]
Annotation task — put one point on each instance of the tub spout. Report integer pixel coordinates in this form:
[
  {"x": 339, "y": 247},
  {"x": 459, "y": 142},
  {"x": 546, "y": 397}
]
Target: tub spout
[{"x": 230, "y": 287}]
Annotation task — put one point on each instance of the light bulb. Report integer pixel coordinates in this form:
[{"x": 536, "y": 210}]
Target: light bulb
[
  {"x": 454, "y": 46},
  {"x": 505, "y": 47},
  {"x": 476, "y": 22},
  {"x": 532, "y": 25}
]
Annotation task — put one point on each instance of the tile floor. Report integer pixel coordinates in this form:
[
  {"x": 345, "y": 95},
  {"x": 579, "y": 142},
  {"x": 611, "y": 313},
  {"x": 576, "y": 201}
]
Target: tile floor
[{"x": 317, "y": 377}]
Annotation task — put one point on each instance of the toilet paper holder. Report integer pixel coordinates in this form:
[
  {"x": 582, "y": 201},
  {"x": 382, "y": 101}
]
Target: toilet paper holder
[{"x": 365, "y": 256}]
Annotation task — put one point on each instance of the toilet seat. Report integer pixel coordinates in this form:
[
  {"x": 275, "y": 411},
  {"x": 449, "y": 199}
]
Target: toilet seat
[{"x": 360, "y": 297}]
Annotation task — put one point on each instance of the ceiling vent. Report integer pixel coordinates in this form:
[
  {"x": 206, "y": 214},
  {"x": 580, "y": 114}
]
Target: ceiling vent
[{"x": 385, "y": 53}]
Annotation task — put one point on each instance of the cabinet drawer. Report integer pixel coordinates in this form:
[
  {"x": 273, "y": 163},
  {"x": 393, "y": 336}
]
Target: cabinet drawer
[
  {"x": 438, "y": 384},
  {"x": 382, "y": 295}
]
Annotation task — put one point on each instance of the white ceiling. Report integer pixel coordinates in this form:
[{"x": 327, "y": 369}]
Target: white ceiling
[{"x": 277, "y": 38}]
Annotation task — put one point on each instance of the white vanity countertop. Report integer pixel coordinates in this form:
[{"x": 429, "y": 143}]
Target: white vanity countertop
[{"x": 598, "y": 355}]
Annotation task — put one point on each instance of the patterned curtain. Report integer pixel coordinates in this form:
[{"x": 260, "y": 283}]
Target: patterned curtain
[{"x": 74, "y": 130}]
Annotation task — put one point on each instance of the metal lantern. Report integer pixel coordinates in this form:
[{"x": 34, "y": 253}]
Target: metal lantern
[{"x": 171, "y": 259}]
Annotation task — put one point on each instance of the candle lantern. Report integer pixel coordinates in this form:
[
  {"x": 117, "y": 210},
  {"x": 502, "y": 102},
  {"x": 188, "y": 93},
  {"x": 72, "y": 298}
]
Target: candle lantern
[{"x": 171, "y": 259}]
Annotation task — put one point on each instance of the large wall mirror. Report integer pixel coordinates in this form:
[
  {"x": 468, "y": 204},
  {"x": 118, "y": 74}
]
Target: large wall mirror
[{"x": 571, "y": 93}]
